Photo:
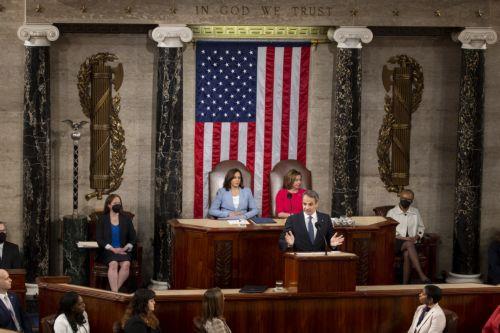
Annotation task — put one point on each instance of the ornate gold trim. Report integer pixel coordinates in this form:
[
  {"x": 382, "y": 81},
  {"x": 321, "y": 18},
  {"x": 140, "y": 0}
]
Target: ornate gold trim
[{"x": 314, "y": 34}]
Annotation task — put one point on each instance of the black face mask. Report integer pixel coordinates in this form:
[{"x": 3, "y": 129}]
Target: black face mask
[
  {"x": 116, "y": 208},
  {"x": 3, "y": 236},
  {"x": 405, "y": 203}
]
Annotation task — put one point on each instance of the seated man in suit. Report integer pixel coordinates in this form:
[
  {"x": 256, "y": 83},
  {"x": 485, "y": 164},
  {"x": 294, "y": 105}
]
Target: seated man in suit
[
  {"x": 12, "y": 315},
  {"x": 429, "y": 317},
  {"x": 309, "y": 230},
  {"x": 9, "y": 252}
]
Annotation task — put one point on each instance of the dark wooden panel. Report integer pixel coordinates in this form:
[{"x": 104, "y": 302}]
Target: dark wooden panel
[
  {"x": 367, "y": 310},
  {"x": 255, "y": 258}
]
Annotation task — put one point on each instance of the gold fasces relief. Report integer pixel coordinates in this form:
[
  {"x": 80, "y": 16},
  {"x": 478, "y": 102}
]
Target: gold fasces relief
[
  {"x": 107, "y": 138},
  {"x": 406, "y": 81}
]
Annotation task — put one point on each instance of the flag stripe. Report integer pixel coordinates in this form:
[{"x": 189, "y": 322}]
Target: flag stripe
[
  {"x": 303, "y": 104},
  {"x": 233, "y": 139},
  {"x": 262, "y": 91},
  {"x": 198, "y": 168},
  {"x": 285, "y": 108}
]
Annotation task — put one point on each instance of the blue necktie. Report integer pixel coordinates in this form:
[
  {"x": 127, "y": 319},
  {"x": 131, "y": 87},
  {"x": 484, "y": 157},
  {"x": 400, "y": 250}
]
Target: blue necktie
[
  {"x": 310, "y": 228},
  {"x": 422, "y": 315}
]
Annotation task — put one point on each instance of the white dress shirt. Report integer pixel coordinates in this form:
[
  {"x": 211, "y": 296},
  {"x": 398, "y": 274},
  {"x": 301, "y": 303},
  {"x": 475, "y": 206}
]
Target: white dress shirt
[
  {"x": 410, "y": 222},
  {"x": 314, "y": 220},
  {"x": 1, "y": 250}
]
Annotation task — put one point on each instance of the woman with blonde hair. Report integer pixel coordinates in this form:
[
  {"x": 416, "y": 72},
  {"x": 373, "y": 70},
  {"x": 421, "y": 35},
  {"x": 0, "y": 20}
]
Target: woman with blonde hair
[{"x": 213, "y": 308}]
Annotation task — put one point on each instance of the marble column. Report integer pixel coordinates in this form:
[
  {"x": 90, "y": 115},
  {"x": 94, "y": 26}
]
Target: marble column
[
  {"x": 36, "y": 147},
  {"x": 347, "y": 118},
  {"x": 467, "y": 221},
  {"x": 168, "y": 155}
]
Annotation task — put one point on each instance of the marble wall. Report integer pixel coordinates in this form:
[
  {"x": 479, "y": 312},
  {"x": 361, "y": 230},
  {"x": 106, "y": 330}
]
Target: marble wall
[
  {"x": 433, "y": 138},
  {"x": 137, "y": 54},
  {"x": 11, "y": 119},
  {"x": 433, "y": 132}
]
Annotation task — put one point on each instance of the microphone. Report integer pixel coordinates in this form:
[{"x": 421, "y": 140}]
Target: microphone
[
  {"x": 289, "y": 197},
  {"x": 318, "y": 225}
]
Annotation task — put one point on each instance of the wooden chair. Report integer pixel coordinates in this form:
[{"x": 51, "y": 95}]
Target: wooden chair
[
  {"x": 98, "y": 271},
  {"x": 426, "y": 248},
  {"x": 276, "y": 178},
  {"x": 451, "y": 321},
  {"x": 47, "y": 323}
]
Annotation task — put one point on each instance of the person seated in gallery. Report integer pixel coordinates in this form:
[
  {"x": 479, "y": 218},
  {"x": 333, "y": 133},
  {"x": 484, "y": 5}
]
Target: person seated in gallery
[
  {"x": 12, "y": 315},
  {"x": 233, "y": 200},
  {"x": 429, "y": 317},
  {"x": 409, "y": 231},
  {"x": 289, "y": 198},
  {"x": 9, "y": 252},
  {"x": 310, "y": 230},
  {"x": 139, "y": 316},
  {"x": 213, "y": 313},
  {"x": 494, "y": 260},
  {"x": 72, "y": 317},
  {"x": 116, "y": 237}
]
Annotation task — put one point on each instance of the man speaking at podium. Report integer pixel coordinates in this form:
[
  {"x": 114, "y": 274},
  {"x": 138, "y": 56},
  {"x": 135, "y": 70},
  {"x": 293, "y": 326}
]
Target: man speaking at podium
[{"x": 309, "y": 231}]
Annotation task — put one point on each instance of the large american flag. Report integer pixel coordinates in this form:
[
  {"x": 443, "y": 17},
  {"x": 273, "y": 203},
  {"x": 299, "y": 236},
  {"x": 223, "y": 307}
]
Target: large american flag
[{"x": 251, "y": 106}]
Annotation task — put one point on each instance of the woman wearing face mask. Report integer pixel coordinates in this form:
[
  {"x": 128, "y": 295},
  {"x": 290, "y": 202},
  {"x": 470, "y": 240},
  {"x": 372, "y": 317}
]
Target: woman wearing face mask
[
  {"x": 116, "y": 238},
  {"x": 409, "y": 231}
]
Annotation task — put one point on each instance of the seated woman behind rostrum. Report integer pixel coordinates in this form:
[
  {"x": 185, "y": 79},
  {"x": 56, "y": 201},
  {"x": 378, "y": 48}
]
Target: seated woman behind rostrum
[
  {"x": 116, "y": 237},
  {"x": 213, "y": 308},
  {"x": 72, "y": 317},
  {"x": 289, "y": 198},
  {"x": 233, "y": 200},
  {"x": 139, "y": 316}
]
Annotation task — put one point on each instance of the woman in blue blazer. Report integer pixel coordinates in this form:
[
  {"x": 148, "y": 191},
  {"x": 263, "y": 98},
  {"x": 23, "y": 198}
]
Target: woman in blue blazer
[{"x": 233, "y": 200}]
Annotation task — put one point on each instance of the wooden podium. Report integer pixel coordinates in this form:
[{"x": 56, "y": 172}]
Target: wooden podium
[{"x": 317, "y": 272}]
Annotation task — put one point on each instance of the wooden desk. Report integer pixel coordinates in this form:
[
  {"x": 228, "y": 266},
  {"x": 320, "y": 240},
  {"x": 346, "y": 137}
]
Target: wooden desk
[
  {"x": 209, "y": 253},
  {"x": 377, "y": 309}
]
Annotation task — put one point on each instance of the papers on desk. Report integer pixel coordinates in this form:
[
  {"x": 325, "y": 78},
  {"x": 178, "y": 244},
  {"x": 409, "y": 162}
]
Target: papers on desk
[
  {"x": 237, "y": 222},
  {"x": 87, "y": 245}
]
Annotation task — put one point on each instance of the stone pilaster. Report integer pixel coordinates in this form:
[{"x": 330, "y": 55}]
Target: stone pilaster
[
  {"x": 36, "y": 147},
  {"x": 467, "y": 221},
  {"x": 168, "y": 156},
  {"x": 347, "y": 118}
]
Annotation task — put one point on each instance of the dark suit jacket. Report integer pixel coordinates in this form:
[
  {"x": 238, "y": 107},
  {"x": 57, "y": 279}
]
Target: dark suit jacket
[
  {"x": 10, "y": 256},
  {"x": 297, "y": 225},
  {"x": 103, "y": 231},
  {"x": 6, "y": 319}
]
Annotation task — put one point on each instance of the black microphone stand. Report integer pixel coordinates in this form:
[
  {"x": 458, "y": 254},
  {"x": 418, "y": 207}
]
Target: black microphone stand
[{"x": 317, "y": 225}]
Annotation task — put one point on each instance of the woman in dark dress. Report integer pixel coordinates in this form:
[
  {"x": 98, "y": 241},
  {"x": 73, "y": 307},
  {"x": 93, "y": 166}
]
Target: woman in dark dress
[
  {"x": 139, "y": 316},
  {"x": 116, "y": 238}
]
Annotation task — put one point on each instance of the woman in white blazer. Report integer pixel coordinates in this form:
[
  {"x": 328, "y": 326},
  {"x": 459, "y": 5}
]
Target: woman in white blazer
[
  {"x": 233, "y": 200},
  {"x": 429, "y": 317},
  {"x": 72, "y": 317}
]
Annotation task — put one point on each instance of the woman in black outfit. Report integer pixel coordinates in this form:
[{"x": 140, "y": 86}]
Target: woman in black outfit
[
  {"x": 116, "y": 237},
  {"x": 139, "y": 316}
]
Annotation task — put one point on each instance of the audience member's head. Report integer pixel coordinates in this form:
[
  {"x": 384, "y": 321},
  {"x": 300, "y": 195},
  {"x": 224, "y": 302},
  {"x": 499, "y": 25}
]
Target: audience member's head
[
  {"x": 5, "y": 281},
  {"x": 406, "y": 198},
  {"x": 73, "y": 307},
  {"x": 113, "y": 203},
  {"x": 310, "y": 200},
  {"x": 430, "y": 295},
  {"x": 3, "y": 232},
  {"x": 292, "y": 180},
  {"x": 142, "y": 305},
  {"x": 233, "y": 178},
  {"x": 213, "y": 304}
]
